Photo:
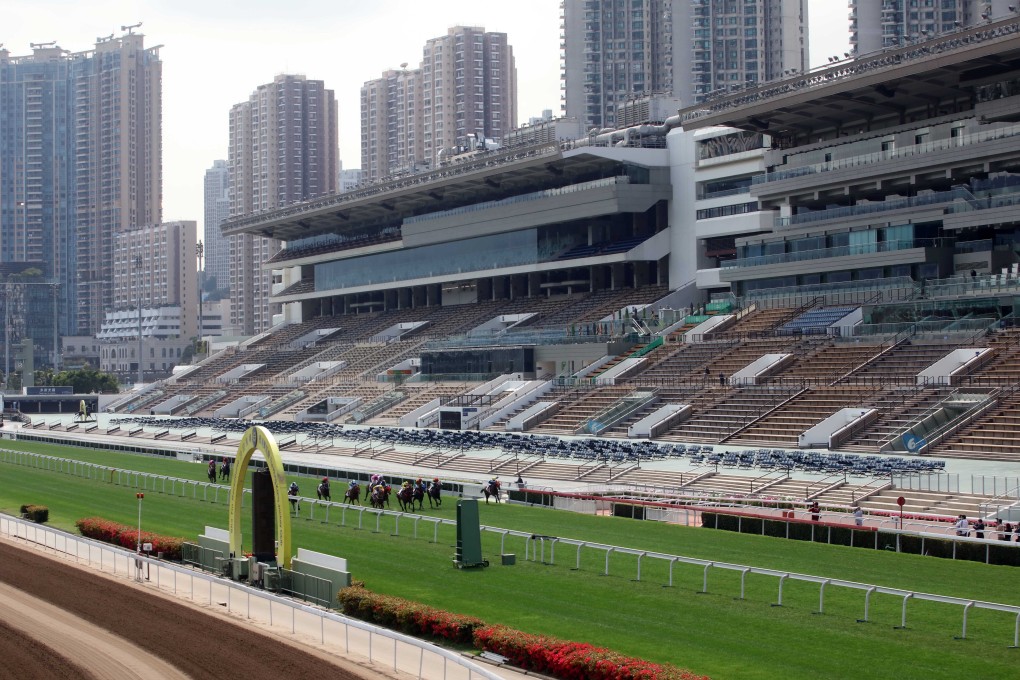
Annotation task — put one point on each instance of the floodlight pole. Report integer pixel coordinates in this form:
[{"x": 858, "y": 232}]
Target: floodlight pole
[
  {"x": 139, "y": 496},
  {"x": 138, "y": 285},
  {"x": 200, "y": 251},
  {"x": 7, "y": 332},
  {"x": 56, "y": 329}
]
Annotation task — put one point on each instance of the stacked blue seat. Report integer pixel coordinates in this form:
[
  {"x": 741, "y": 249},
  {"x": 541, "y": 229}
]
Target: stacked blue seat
[
  {"x": 814, "y": 321},
  {"x": 582, "y": 449}
]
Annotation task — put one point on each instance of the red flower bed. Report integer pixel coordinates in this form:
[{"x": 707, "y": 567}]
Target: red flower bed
[
  {"x": 572, "y": 660},
  {"x": 410, "y": 617},
  {"x": 562, "y": 659},
  {"x": 127, "y": 536}
]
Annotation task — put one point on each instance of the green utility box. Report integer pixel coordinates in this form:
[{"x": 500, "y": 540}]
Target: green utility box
[
  {"x": 469, "y": 535},
  {"x": 509, "y": 559},
  {"x": 239, "y": 569}
]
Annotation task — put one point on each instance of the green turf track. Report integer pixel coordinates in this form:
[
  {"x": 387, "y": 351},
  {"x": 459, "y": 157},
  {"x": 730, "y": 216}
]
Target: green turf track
[{"x": 712, "y": 633}]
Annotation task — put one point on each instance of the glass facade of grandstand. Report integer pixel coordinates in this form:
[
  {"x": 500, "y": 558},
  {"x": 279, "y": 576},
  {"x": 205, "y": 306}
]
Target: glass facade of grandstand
[{"x": 485, "y": 253}]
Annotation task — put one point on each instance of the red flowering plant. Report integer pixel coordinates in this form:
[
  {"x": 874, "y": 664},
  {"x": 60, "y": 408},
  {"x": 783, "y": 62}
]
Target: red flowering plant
[
  {"x": 408, "y": 616},
  {"x": 572, "y": 660},
  {"x": 127, "y": 536},
  {"x": 559, "y": 658},
  {"x": 98, "y": 528}
]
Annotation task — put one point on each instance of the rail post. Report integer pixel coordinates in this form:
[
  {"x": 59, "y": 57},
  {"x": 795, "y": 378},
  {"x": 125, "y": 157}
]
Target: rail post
[
  {"x": 743, "y": 581},
  {"x": 903, "y": 613},
  {"x": 704, "y": 579},
  {"x": 867, "y": 604},
  {"x": 966, "y": 610},
  {"x": 782, "y": 579},
  {"x": 821, "y": 596},
  {"x": 673, "y": 561}
]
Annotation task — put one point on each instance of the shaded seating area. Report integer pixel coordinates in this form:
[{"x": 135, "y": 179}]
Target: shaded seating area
[
  {"x": 583, "y": 450},
  {"x": 602, "y": 248},
  {"x": 335, "y": 245},
  {"x": 814, "y": 321}
]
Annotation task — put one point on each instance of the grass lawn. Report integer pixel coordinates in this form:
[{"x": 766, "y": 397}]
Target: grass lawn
[{"x": 711, "y": 633}]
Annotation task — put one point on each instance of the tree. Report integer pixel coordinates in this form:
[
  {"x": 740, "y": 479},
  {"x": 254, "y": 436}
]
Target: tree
[
  {"x": 87, "y": 380},
  {"x": 44, "y": 376}
]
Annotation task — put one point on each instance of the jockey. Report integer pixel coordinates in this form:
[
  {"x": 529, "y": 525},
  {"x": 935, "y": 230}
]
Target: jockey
[
  {"x": 376, "y": 478},
  {"x": 378, "y": 489},
  {"x": 325, "y": 483},
  {"x": 351, "y": 484},
  {"x": 420, "y": 484},
  {"x": 494, "y": 482},
  {"x": 405, "y": 485}
]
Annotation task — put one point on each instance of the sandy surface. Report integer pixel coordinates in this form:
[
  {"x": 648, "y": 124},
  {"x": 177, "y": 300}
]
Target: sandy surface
[{"x": 59, "y": 620}]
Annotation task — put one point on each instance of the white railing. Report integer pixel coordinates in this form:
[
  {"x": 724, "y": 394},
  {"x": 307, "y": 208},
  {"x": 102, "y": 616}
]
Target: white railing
[
  {"x": 533, "y": 543},
  {"x": 334, "y": 631}
]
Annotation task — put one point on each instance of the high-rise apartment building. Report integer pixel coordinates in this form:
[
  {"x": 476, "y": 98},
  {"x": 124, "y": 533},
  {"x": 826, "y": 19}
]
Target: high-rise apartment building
[
  {"x": 155, "y": 294},
  {"x": 617, "y": 50},
  {"x": 877, "y": 25},
  {"x": 391, "y": 123},
  {"x": 469, "y": 82},
  {"x": 464, "y": 89},
  {"x": 80, "y": 163},
  {"x": 216, "y": 209},
  {"x": 283, "y": 149},
  {"x": 155, "y": 265},
  {"x": 347, "y": 179}
]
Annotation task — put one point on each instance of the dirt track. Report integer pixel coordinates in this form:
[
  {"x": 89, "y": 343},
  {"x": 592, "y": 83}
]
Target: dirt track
[{"x": 61, "y": 621}]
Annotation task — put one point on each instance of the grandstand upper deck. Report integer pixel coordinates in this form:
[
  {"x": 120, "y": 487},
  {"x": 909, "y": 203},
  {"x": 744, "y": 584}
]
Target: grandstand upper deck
[
  {"x": 872, "y": 90},
  {"x": 490, "y": 176}
]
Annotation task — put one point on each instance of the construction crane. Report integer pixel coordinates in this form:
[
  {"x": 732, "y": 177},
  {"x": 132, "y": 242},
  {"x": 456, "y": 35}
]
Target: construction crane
[{"x": 131, "y": 28}]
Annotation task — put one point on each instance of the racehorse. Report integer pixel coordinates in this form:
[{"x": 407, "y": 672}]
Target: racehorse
[
  {"x": 372, "y": 484},
  {"x": 353, "y": 494},
  {"x": 418, "y": 494},
  {"x": 405, "y": 498},
  {"x": 491, "y": 488},
  {"x": 225, "y": 469},
  {"x": 380, "y": 498},
  {"x": 212, "y": 471},
  {"x": 322, "y": 491},
  {"x": 433, "y": 492}
]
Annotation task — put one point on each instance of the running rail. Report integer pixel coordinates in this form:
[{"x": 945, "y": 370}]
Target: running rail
[
  {"x": 239, "y": 599},
  {"x": 535, "y": 542}
]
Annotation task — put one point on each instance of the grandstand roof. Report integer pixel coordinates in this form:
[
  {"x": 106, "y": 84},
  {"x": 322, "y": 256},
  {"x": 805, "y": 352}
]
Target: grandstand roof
[
  {"x": 937, "y": 75},
  {"x": 485, "y": 176}
]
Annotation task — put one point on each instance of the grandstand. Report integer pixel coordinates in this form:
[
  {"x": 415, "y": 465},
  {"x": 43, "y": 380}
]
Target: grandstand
[{"x": 860, "y": 282}]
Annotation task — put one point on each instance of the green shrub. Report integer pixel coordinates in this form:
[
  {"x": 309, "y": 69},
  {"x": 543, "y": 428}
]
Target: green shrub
[{"x": 39, "y": 514}]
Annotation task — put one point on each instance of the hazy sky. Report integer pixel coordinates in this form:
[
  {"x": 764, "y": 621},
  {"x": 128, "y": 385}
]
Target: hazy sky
[{"x": 215, "y": 53}]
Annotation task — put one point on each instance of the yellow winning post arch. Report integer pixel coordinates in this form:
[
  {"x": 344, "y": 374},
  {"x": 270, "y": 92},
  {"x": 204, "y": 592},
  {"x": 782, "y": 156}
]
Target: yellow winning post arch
[{"x": 258, "y": 438}]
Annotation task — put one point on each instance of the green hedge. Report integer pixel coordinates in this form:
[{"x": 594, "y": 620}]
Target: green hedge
[
  {"x": 39, "y": 514},
  {"x": 533, "y": 497},
  {"x": 995, "y": 551}
]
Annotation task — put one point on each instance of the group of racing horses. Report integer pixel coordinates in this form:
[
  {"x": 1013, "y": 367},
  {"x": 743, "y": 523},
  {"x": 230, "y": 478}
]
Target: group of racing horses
[{"x": 409, "y": 493}]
